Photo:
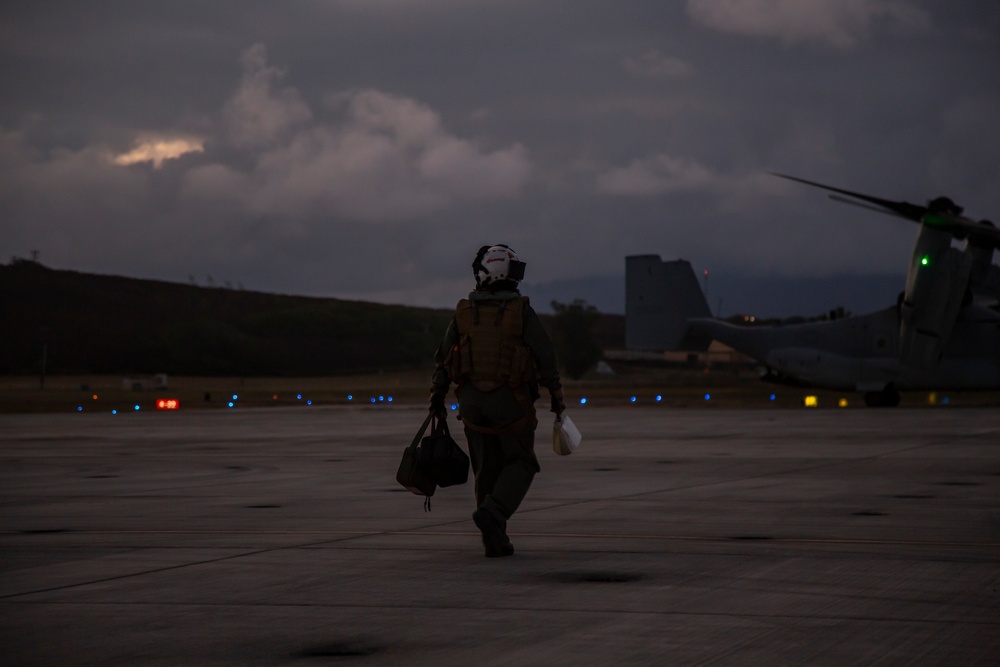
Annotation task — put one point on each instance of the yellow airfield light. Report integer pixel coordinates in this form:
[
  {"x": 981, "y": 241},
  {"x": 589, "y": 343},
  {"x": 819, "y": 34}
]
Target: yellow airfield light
[{"x": 810, "y": 402}]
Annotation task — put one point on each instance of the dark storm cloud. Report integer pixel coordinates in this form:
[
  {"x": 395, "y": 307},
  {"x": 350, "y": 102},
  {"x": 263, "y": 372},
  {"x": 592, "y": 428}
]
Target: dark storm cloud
[{"x": 366, "y": 148}]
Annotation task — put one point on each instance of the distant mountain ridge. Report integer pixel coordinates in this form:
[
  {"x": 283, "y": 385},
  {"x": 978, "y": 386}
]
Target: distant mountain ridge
[{"x": 88, "y": 323}]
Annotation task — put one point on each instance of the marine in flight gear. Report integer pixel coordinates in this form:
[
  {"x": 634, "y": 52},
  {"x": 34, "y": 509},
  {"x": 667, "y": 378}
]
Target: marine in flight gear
[{"x": 498, "y": 354}]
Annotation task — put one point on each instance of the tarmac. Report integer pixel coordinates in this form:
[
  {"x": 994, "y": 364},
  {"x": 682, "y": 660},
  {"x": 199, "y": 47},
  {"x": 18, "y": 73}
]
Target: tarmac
[{"x": 671, "y": 537}]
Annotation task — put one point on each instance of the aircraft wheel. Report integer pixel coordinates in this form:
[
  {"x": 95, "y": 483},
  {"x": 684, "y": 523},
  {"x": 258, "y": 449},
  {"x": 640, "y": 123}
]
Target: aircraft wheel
[
  {"x": 887, "y": 398},
  {"x": 890, "y": 397}
]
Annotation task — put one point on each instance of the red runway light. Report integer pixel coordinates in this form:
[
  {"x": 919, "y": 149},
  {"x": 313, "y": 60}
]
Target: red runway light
[{"x": 167, "y": 404}]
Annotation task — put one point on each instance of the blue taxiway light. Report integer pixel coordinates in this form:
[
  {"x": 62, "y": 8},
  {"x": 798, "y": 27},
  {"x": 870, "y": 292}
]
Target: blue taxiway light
[
  {"x": 350, "y": 397},
  {"x": 583, "y": 401},
  {"x": 708, "y": 397},
  {"x": 659, "y": 398},
  {"x": 632, "y": 399}
]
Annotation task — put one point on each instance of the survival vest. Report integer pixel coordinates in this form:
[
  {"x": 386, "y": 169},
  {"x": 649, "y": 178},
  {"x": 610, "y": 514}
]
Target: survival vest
[{"x": 491, "y": 351}]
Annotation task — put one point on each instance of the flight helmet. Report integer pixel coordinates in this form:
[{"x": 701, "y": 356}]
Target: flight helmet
[{"x": 497, "y": 263}]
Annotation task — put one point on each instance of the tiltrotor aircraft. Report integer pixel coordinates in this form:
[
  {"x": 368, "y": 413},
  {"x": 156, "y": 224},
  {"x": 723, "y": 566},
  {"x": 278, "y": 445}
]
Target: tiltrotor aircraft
[{"x": 943, "y": 334}]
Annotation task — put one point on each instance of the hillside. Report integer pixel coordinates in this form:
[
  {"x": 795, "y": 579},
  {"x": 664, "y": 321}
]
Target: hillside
[{"x": 88, "y": 323}]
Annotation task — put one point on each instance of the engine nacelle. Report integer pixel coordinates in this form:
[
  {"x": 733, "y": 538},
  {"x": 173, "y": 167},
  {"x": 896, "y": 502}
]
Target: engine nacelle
[{"x": 935, "y": 287}]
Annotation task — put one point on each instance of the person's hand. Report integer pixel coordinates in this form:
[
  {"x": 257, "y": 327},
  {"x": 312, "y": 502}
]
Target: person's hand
[
  {"x": 437, "y": 407},
  {"x": 558, "y": 399}
]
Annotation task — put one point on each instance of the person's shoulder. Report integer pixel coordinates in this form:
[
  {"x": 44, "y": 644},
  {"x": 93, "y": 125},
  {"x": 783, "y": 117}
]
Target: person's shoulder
[
  {"x": 529, "y": 315},
  {"x": 463, "y": 306}
]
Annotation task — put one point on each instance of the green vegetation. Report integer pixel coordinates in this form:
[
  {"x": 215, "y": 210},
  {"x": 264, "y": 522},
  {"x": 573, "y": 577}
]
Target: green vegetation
[
  {"x": 572, "y": 330},
  {"x": 83, "y": 323}
]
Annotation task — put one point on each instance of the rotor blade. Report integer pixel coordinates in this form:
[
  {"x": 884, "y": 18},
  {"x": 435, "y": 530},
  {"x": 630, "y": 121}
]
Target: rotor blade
[
  {"x": 900, "y": 208},
  {"x": 982, "y": 233},
  {"x": 877, "y": 209}
]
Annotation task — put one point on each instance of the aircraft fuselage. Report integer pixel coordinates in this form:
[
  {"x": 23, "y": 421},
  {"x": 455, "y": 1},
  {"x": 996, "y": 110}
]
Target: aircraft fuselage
[{"x": 862, "y": 353}]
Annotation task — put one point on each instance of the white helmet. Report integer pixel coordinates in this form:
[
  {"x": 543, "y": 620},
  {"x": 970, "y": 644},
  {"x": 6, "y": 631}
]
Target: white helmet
[{"x": 496, "y": 263}]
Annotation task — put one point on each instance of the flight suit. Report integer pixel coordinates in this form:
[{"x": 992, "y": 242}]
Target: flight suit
[{"x": 497, "y": 411}]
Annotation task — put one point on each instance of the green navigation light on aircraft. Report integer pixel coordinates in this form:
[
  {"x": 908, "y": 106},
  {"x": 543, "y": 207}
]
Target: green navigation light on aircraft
[{"x": 925, "y": 260}]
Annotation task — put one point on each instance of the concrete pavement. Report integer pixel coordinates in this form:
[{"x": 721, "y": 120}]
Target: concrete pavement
[{"x": 701, "y": 536}]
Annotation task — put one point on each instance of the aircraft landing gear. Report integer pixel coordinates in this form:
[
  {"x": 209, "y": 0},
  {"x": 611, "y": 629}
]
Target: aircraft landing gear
[{"x": 887, "y": 398}]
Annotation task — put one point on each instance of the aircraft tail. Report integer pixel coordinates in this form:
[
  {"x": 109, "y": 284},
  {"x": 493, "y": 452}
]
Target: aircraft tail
[{"x": 660, "y": 298}]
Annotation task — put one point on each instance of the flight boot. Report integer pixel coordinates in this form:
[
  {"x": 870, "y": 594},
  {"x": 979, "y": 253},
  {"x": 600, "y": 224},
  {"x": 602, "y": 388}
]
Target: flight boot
[{"x": 494, "y": 532}]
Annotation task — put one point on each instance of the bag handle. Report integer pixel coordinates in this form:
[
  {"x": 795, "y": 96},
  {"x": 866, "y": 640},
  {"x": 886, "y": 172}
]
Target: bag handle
[
  {"x": 420, "y": 433},
  {"x": 439, "y": 426}
]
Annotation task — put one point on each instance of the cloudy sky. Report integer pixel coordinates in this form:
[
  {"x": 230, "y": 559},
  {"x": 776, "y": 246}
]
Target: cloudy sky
[{"x": 366, "y": 148}]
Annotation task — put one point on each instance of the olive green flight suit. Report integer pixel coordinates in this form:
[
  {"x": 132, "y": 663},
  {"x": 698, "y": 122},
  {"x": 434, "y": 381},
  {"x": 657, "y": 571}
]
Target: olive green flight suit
[{"x": 500, "y": 422}]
